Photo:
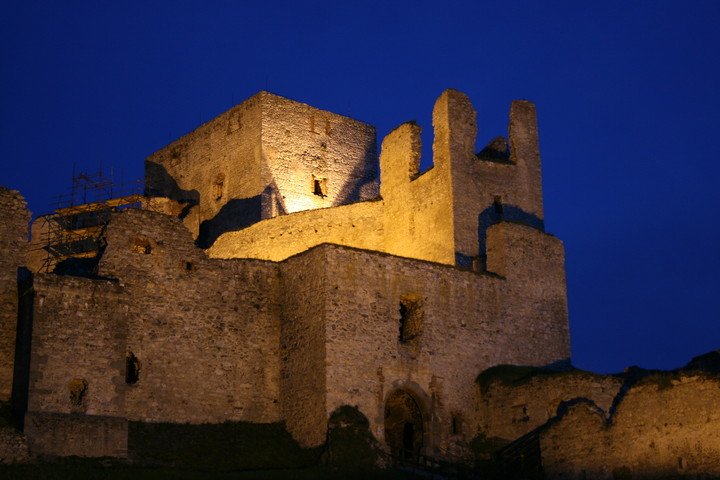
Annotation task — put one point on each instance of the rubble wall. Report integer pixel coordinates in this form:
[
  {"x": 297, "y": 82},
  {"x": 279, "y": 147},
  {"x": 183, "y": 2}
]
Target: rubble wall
[
  {"x": 206, "y": 332},
  {"x": 513, "y": 402},
  {"x": 463, "y": 332},
  {"x": 667, "y": 425}
]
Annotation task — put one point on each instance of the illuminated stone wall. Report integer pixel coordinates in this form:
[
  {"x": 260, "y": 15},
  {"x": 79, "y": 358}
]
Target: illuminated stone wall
[
  {"x": 14, "y": 219},
  {"x": 301, "y": 143},
  {"x": 260, "y": 159},
  {"x": 440, "y": 215},
  {"x": 357, "y": 224},
  {"x": 465, "y": 329},
  {"x": 666, "y": 426},
  {"x": 514, "y": 401}
]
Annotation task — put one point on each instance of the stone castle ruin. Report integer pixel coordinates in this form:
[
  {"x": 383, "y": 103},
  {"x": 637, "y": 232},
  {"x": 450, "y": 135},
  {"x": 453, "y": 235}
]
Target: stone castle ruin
[{"x": 275, "y": 274}]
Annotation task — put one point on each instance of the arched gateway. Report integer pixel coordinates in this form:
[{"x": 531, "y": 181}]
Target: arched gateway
[{"x": 404, "y": 424}]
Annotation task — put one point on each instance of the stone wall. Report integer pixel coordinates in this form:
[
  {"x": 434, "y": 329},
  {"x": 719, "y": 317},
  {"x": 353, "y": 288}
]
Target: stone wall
[
  {"x": 516, "y": 400},
  {"x": 13, "y": 446},
  {"x": 498, "y": 183},
  {"x": 417, "y": 214},
  {"x": 666, "y": 425},
  {"x": 359, "y": 225},
  {"x": 78, "y": 346},
  {"x": 260, "y": 159},
  {"x": 463, "y": 331},
  {"x": 301, "y": 143},
  {"x": 14, "y": 219},
  {"x": 303, "y": 347},
  {"x": 441, "y": 215},
  {"x": 204, "y": 334},
  {"x": 218, "y": 161}
]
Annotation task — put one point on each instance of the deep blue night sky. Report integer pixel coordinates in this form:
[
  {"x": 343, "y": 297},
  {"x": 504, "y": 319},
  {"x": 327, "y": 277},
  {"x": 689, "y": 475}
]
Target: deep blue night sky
[{"x": 627, "y": 93}]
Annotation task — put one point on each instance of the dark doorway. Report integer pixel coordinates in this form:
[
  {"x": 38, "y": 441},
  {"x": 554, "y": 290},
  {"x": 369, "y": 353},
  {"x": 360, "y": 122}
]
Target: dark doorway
[{"x": 403, "y": 425}]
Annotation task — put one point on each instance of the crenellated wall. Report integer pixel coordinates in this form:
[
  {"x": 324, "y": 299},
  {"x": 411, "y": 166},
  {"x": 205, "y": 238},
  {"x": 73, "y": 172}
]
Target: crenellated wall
[{"x": 441, "y": 215}]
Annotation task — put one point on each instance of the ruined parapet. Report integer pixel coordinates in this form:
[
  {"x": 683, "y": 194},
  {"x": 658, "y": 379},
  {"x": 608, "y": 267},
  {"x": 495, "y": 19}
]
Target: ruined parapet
[
  {"x": 665, "y": 426},
  {"x": 441, "y": 215},
  {"x": 265, "y": 157},
  {"x": 514, "y": 400},
  {"x": 452, "y": 205},
  {"x": 501, "y": 182},
  {"x": 14, "y": 219},
  {"x": 417, "y": 209},
  {"x": 576, "y": 446}
]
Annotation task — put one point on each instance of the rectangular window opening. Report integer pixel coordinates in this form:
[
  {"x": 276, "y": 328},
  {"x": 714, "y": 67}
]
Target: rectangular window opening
[
  {"x": 132, "y": 369},
  {"x": 497, "y": 205},
  {"x": 319, "y": 186},
  {"x": 456, "y": 425},
  {"x": 411, "y": 317}
]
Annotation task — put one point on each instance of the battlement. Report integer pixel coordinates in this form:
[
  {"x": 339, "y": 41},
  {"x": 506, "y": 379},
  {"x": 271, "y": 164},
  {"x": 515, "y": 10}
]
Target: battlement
[{"x": 441, "y": 215}]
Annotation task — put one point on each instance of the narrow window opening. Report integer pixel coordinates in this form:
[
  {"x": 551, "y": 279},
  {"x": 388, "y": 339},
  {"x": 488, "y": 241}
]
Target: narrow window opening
[
  {"x": 681, "y": 463},
  {"x": 497, "y": 205},
  {"x": 189, "y": 266},
  {"x": 78, "y": 389},
  {"x": 411, "y": 316},
  {"x": 319, "y": 186},
  {"x": 132, "y": 369},
  {"x": 218, "y": 187},
  {"x": 456, "y": 425}
]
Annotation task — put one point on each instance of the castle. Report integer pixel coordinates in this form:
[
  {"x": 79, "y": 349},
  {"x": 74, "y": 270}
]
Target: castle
[{"x": 274, "y": 272}]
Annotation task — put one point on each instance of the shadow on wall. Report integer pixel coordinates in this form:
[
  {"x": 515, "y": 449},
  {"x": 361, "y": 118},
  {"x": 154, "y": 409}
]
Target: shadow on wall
[
  {"x": 23, "y": 339},
  {"x": 234, "y": 215},
  {"x": 369, "y": 170},
  {"x": 159, "y": 183},
  {"x": 222, "y": 446},
  {"x": 501, "y": 212},
  {"x": 350, "y": 442}
]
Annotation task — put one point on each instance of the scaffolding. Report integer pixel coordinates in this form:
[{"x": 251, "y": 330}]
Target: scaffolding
[{"x": 73, "y": 236}]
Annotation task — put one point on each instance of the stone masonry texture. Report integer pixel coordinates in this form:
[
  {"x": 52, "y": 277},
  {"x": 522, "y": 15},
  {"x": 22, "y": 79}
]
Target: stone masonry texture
[{"x": 267, "y": 278}]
